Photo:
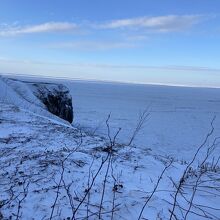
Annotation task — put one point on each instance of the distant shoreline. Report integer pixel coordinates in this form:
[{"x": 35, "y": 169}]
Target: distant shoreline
[{"x": 31, "y": 76}]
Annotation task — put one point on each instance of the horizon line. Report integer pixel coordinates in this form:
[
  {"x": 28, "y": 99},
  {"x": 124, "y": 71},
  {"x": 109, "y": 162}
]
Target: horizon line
[{"x": 90, "y": 80}]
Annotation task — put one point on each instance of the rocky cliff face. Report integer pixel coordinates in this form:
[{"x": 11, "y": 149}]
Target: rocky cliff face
[{"x": 56, "y": 98}]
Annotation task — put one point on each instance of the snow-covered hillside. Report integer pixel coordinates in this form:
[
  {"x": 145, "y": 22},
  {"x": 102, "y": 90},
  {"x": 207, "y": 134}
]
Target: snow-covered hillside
[
  {"x": 22, "y": 95},
  {"x": 50, "y": 169}
]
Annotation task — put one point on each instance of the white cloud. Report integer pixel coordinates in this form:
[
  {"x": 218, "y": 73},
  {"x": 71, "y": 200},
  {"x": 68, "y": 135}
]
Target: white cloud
[
  {"x": 40, "y": 28},
  {"x": 168, "y": 23},
  {"x": 93, "y": 45},
  {"x": 177, "y": 68},
  {"x": 157, "y": 23}
]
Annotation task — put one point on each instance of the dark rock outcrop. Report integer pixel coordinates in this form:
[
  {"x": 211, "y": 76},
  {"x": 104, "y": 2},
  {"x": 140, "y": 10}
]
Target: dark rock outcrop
[{"x": 56, "y": 98}]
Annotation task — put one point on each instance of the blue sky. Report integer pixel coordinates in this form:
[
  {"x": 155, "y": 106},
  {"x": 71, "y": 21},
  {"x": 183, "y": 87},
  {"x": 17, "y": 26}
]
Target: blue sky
[{"x": 173, "y": 42}]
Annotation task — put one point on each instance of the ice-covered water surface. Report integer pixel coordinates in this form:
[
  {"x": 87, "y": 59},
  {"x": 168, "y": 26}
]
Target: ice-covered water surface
[{"x": 179, "y": 116}]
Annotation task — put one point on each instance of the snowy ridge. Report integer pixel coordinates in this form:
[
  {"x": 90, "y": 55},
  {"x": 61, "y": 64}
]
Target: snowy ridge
[
  {"x": 51, "y": 170},
  {"x": 20, "y": 94}
]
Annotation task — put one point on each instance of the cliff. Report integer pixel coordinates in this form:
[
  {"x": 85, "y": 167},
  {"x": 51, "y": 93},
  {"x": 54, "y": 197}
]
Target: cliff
[{"x": 56, "y": 98}]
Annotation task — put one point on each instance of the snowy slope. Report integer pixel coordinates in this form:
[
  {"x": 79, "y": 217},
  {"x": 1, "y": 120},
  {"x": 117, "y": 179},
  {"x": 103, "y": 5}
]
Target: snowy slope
[
  {"x": 48, "y": 167},
  {"x": 21, "y": 95}
]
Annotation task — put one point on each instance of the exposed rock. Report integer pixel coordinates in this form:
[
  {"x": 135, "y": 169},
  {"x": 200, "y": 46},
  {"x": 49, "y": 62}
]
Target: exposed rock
[{"x": 56, "y": 98}]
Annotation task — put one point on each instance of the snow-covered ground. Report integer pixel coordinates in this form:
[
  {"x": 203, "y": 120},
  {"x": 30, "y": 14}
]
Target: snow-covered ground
[{"x": 50, "y": 169}]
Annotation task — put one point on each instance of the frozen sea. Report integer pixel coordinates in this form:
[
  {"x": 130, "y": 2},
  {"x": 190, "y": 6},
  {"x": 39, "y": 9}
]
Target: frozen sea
[{"x": 179, "y": 116}]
